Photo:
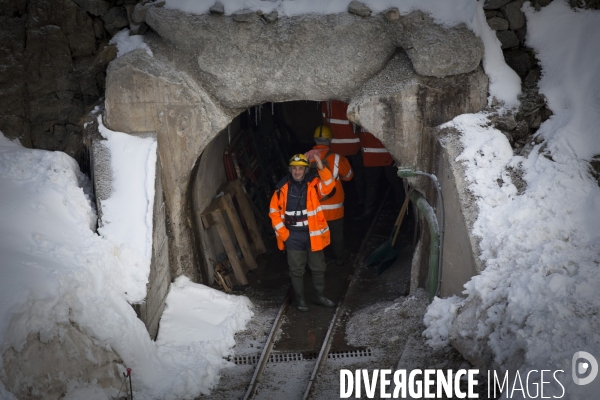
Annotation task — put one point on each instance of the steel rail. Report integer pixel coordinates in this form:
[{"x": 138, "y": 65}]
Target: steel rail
[
  {"x": 266, "y": 353},
  {"x": 338, "y": 312}
]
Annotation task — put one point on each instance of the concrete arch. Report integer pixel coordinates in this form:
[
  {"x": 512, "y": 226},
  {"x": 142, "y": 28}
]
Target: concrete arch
[{"x": 207, "y": 69}]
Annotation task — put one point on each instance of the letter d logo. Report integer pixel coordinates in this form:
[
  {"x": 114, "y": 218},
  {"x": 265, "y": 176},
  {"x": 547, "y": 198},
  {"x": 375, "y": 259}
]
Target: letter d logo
[{"x": 583, "y": 368}]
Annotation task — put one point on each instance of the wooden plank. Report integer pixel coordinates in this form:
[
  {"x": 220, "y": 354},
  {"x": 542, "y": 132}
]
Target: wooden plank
[
  {"x": 208, "y": 220},
  {"x": 238, "y": 269},
  {"x": 245, "y": 208},
  {"x": 228, "y": 206},
  {"x": 214, "y": 204}
]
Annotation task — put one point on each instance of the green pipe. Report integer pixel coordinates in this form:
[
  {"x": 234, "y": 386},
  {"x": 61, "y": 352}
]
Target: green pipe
[
  {"x": 434, "y": 245},
  {"x": 409, "y": 172}
]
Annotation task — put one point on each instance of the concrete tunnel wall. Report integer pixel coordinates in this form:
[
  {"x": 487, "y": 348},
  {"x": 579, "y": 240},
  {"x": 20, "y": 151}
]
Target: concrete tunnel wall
[
  {"x": 187, "y": 103},
  {"x": 209, "y": 176}
]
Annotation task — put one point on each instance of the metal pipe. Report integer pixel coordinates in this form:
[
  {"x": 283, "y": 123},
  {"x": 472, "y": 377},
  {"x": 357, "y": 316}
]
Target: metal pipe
[
  {"x": 434, "y": 234},
  {"x": 408, "y": 172}
]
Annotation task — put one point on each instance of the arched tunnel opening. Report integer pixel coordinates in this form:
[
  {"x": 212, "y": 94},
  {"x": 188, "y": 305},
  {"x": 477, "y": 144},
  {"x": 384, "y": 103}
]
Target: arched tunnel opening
[{"x": 252, "y": 154}]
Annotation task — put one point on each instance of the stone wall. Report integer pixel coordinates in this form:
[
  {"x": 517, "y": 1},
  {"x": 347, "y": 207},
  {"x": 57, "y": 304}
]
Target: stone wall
[
  {"x": 53, "y": 58},
  {"x": 507, "y": 19}
]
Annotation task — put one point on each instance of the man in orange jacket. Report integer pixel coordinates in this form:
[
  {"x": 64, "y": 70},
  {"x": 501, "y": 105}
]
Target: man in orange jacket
[
  {"x": 300, "y": 226},
  {"x": 333, "y": 204}
]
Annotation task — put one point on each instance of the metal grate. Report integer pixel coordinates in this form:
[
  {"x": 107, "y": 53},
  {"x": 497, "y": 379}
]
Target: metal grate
[
  {"x": 289, "y": 357},
  {"x": 350, "y": 354}
]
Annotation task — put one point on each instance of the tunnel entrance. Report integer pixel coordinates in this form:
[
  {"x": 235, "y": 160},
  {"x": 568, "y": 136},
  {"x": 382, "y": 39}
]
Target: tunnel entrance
[
  {"x": 197, "y": 81},
  {"x": 254, "y": 150}
]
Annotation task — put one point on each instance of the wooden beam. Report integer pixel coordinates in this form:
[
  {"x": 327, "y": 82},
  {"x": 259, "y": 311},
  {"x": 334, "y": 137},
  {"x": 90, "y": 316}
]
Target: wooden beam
[
  {"x": 228, "y": 206},
  {"x": 246, "y": 210},
  {"x": 238, "y": 268}
]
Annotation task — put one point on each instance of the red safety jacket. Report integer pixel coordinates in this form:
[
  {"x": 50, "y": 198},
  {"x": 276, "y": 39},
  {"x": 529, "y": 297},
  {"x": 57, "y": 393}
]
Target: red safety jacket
[
  {"x": 317, "y": 225},
  {"x": 374, "y": 152},
  {"x": 345, "y": 142},
  {"x": 333, "y": 206}
]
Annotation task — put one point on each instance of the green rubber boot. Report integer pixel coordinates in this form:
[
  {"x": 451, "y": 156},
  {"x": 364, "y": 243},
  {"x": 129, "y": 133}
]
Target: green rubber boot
[
  {"x": 298, "y": 284},
  {"x": 319, "y": 285}
]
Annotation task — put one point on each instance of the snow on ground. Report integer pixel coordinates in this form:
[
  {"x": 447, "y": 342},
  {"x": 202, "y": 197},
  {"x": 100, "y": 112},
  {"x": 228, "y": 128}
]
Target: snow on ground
[
  {"x": 505, "y": 84},
  {"x": 56, "y": 269},
  {"x": 540, "y": 289}
]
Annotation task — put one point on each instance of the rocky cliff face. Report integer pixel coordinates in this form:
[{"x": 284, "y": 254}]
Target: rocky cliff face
[
  {"x": 54, "y": 55},
  {"x": 53, "y": 58}
]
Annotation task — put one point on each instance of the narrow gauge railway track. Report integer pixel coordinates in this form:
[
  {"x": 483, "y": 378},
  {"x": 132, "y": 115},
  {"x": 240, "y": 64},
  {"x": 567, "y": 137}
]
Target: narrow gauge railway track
[{"x": 326, "y": 345}]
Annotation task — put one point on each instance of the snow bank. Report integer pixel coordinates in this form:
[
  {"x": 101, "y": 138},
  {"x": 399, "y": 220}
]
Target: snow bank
[
  {"x": 505, "y": 84},
  {"x": 438, "y": 319},
  {"x": 539, "y": 291},
  {"x": 196, "y": 331},
  {"x": 127, "y": 213},
  {"x": 55, "y": 269},
  {"x": 126, "y": 43},
  {"x": 567, "y": 44}
]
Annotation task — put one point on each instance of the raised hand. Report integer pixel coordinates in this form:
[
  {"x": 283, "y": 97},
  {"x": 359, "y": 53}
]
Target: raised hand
[{"x": 318, "y": 161}]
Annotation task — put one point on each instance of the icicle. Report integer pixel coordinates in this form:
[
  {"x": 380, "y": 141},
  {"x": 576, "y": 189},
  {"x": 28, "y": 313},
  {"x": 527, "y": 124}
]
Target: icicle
[
  {"x": 248, "y": 110},
  {"x": 256, "y": 115},
  {"x": 272, "y": 108},
  {"x": 229, "y": 132}
]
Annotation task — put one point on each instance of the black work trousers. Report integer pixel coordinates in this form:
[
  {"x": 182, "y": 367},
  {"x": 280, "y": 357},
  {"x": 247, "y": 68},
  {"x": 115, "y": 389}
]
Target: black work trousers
[
  {"x": 299, "y": 255},
  {"x": 336, "y": 232}
]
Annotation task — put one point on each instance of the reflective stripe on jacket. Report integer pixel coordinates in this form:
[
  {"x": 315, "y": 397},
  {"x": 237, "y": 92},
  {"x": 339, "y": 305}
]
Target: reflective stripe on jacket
[
  {"x": 317, "y": 225},
  {"x": 345, "y": 142},
  {"x": 333, "y": 207},
  {"x": 374, "y": 152}
]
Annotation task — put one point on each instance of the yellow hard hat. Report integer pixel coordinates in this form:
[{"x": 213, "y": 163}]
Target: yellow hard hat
[
  {"x": 323, "y": 132},
  {"x": 299, "y": 160}
]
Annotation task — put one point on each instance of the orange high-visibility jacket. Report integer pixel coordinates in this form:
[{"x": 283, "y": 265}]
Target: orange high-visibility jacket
[
  {"x": 345, "y": 142},
  {"x": 374, "y": 152},
  {"x": 317, "y": 225},
  {"x": 333, "y": 207}
]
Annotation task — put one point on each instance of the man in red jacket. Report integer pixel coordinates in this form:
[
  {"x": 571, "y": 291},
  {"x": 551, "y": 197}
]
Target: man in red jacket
[
  {"x": 377, "y": 161},
  {"x": 333, "y": 204}
]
